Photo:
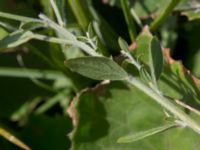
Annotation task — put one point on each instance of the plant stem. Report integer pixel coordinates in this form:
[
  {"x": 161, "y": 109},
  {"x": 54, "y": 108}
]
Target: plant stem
[
  {"x": 57, "y": 13},
  {"x": 61, "y": 30},
  {"x": 18, "y": 18},
  {"x": 13, "y": 139},
  {"x": 76, "y": 43},
  {"x": 187, "y": 107},
  {"x": 26, "y": 73},
  {"x": 137, "y": 18},
  {"x": 166, "y": 104},
  {"x": 128, "y": 18},
  {"x": 166, "y": 11},
  {"x": 51, "y": 102},
  {"x": 80, "y": 13},
  {"x": 7, "y": 26}
]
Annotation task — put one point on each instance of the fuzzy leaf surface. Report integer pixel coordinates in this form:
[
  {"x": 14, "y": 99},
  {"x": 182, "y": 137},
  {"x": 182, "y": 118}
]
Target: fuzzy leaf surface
[{"x": 98, "y": 68}]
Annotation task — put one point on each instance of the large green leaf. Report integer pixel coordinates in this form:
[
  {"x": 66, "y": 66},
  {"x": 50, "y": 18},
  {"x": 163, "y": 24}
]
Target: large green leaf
[
  {"x": 105, "y": 114},
  {"x": 99, "y": 68}
]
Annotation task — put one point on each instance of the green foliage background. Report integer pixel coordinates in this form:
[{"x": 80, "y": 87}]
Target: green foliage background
[{"x": 37, "y": 110}]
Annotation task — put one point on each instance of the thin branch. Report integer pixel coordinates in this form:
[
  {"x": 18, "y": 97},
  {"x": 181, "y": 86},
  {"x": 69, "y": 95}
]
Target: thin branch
[
  {"x": 187, "y": 107},
  {"x": 164, "y": 102},
  {"x": 128, "y": 18},
  {"x": 26, "y": 73},
  {"x": 166, "y": 11},
  {"x": 13, "y": 139},
  {"x": 57, "y": 13},
  {"x": 18, "y": 18},
  {"x": 87, "y": 49}
]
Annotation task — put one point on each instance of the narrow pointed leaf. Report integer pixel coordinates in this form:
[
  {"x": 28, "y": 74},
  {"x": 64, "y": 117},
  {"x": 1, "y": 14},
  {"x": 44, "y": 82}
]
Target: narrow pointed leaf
[
  {"x": 150, "y": 52},
  {"x": 98, "y": 68},
  {"x": 143, "y": 45},
  {"x": 156, "y": 58},
  {"x": 143, "y": 134},
  {"x": 32, "y": 25},
  {"x": 123, "y": 44},
  {"x": 145, "y": 75},
  {"x": 15, "y": 39}
]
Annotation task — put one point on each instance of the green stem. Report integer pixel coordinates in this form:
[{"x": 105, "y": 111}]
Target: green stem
[
  {"x": 13, "y": 139},
  {"x": 128, "y": 18},
  {"x": 7, "y": 26},
  {"x": 76, "y": 43},
  {"x": 137, "y": 18},
  {"x": 57, "y": 13},
  {"x": 34, "y": 73},
  {"x": 51, "y": 102},
  {"x": 166, "y": 104},
  {"x": 80, "y": 13},
  {"x": 18, "y": 18},
  {"x": 166, "y": 11},
  {"x": 61, "y": 30}
]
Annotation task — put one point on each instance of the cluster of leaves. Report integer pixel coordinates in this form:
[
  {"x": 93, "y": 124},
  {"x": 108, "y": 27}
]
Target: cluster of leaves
[{"x": 69, "y": 81}]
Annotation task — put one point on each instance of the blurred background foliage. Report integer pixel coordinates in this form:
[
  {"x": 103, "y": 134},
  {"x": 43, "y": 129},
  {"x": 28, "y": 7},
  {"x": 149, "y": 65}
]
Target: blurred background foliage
[{"x": 35, "y": 110}]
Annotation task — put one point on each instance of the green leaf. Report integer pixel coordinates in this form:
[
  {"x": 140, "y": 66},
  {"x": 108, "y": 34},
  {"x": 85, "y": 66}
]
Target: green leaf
[
  {"x": 15, "y": 39},
  {"x": 156, "y": 59},
  {"x": 175, "y": 82},
  {"x": 178, "y": 83},
  {"x": 128, "y": 18},
  {"x": 106, "y": 113},
  {"x": 143, "y": 45},
  {"x": 144, "y": 74},
  {"x": 90, "y": 31},
  {"x": 150, "y": 52},
  {"x": 32, "y": 25},
  {"x": 61, "y": 5},
  {"x": 99, "y": 68},
  {"x": 144, "y": 134},
  {"x": 123, "y": 44}
]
